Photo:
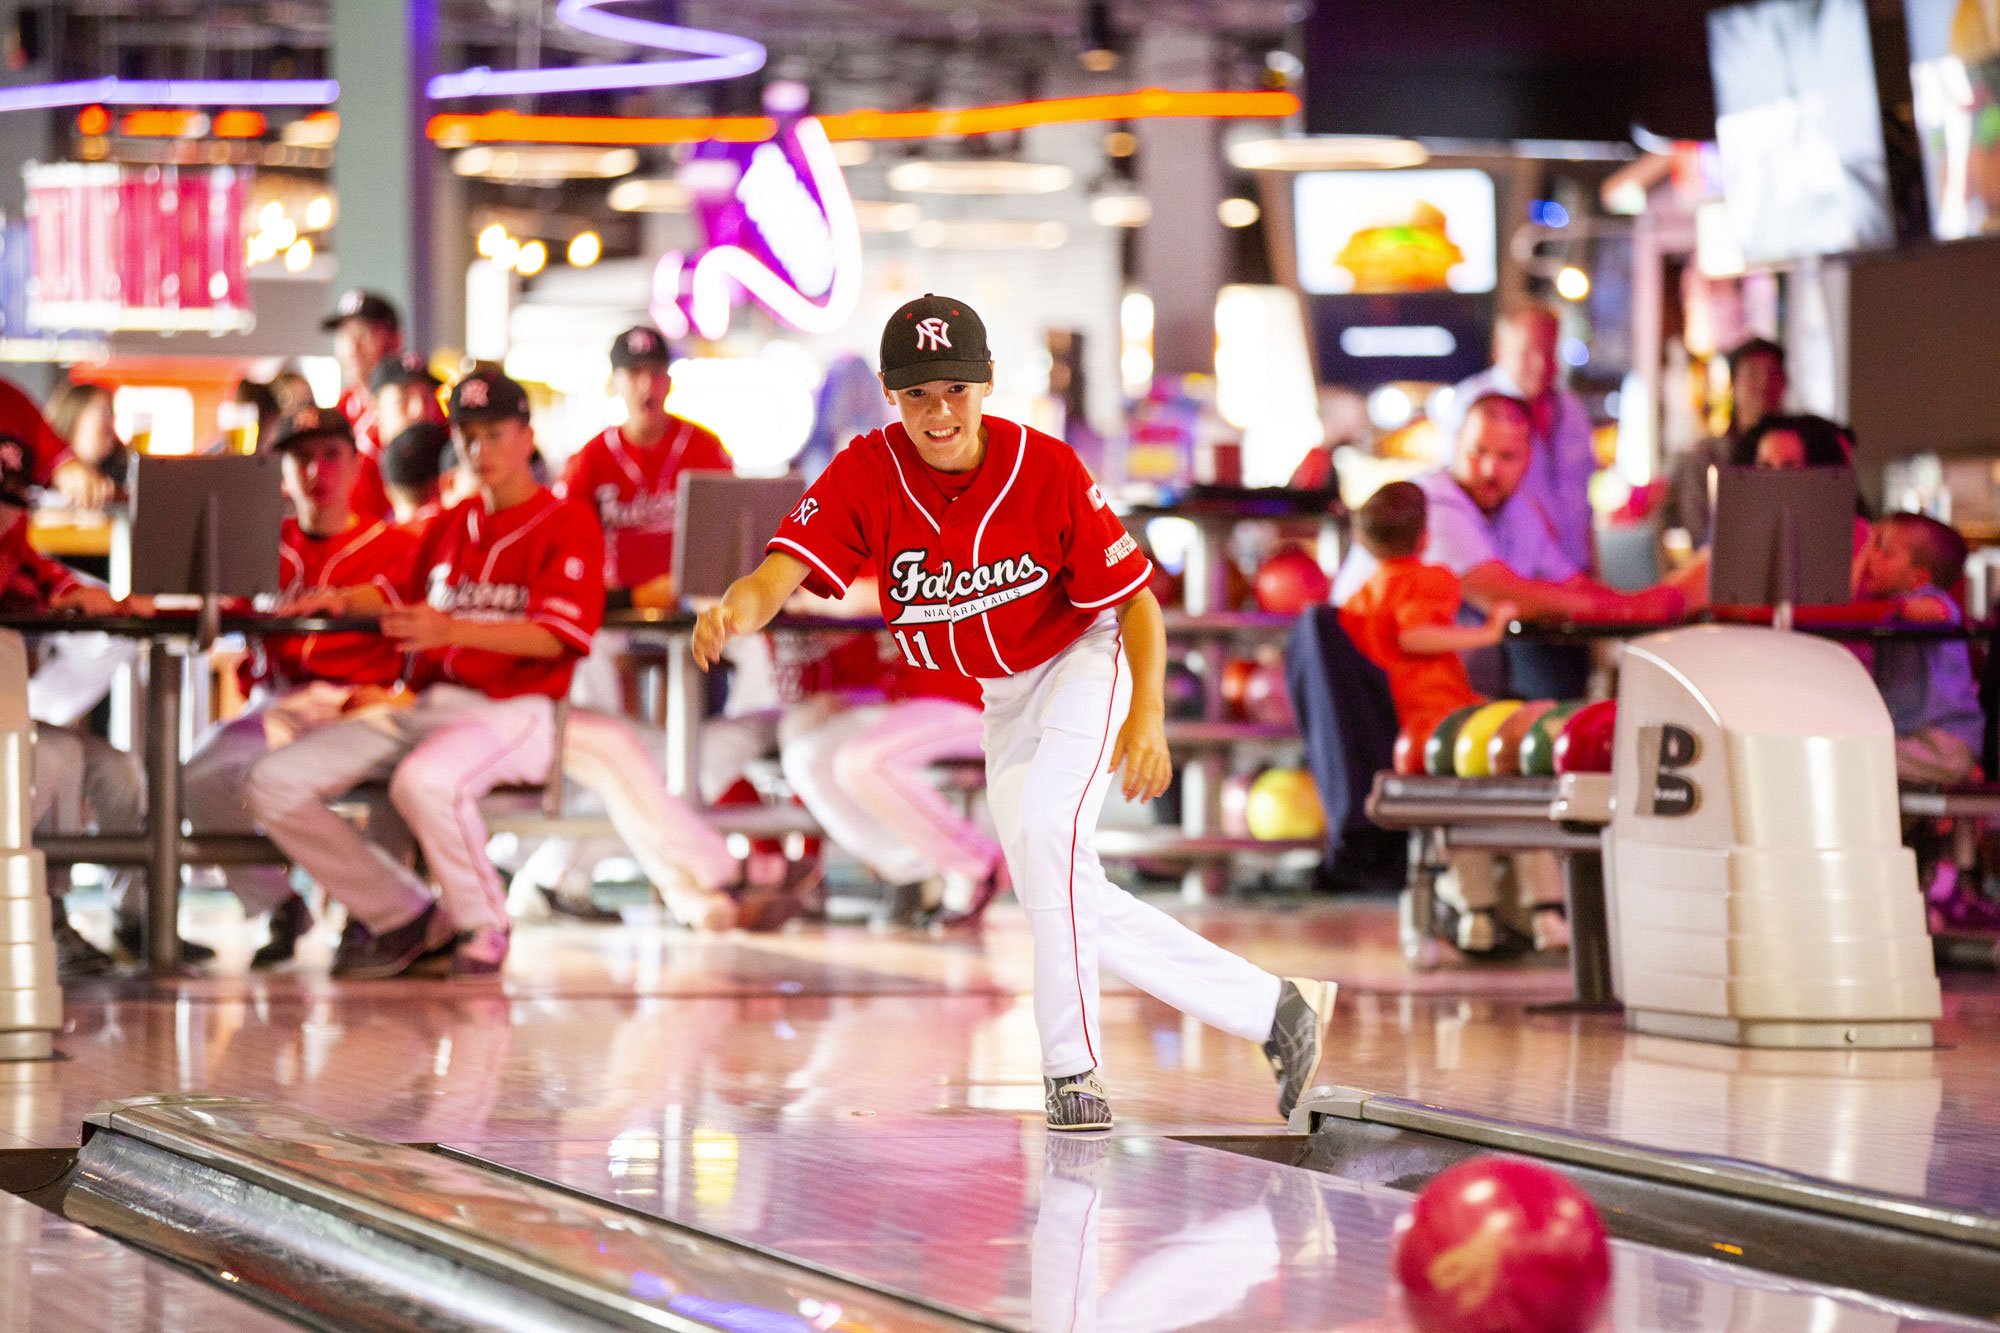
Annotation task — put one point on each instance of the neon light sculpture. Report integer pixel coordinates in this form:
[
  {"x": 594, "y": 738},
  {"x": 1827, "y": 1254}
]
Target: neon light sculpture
[{"x": 712, "y": 55}]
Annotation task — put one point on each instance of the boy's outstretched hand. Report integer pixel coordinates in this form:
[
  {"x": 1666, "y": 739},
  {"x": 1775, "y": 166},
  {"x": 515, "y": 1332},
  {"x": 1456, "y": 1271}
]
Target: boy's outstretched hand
[
  {"x": 1142, "y": 751},
  {"x": 713, "y": 629}
]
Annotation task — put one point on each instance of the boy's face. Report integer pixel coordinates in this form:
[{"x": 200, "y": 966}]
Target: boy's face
[
  {"x": 1887, "y": 564},
  {"x": 941, "y": 415},
  {"x": 1781, "y": 449},
  {"x": 319, "y": 473},
  {"x": 400, "y": 406},
  {"x": 643, "y": 388},
  {"x": 497, "y": 453}
]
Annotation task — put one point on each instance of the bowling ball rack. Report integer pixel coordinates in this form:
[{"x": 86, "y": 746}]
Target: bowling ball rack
[{"x": 1914, "y": 1253}]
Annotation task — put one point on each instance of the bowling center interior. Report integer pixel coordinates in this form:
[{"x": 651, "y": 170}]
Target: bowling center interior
[{"x": 1559, "y": 444}]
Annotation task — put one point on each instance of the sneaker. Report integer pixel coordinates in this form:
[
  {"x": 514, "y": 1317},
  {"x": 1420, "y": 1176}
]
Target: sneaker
[
  {"x": 708, "y": 910},
  {"x": 129, "y": 934},
  {"x": 1551, "y": 927},
  {"x": 910, "y": 904},
  {"x": 290, "y": 920},
  {"x": 1298, "y": 1034},
  {"x": 989, "y": 889},
  {"x": 75, "y": 955},
  {"x": 572, "y": 899},
  {"x": 1478, "y": 932},
  {"x": 480, "y": 953},
  {"x": 372, "y": 956},
  {"x": 1077, "y": 1102}
]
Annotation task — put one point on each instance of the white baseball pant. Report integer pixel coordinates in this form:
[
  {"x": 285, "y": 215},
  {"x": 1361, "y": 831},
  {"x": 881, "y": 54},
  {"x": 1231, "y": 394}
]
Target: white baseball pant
[
  {"x": 1049, "y": 734},
  {"x": 214, "y": 781},
  {"x": 861, "y": 773},
  {"x": 75, "y": 672},
  {"x": 82, "y": 779},
  {"x": 439, "y": 756}
]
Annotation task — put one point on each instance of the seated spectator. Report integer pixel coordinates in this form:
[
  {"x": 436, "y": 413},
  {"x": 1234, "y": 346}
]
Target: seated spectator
[
  {"x": 293, "y": 392},
  {"x": 404, "y": 392},
  {"x": 1794, "y": 440},
  {"x": 81, "y": 415},
  {"x": 1496, "y": 538},
  {"x": 1405, "y": 620},
  {"x": 1757, "y": 388},
  {"x": 303, "y": 682},
  {"x": 1929, "y": 687},
  {"x": 414, "y": 462}
]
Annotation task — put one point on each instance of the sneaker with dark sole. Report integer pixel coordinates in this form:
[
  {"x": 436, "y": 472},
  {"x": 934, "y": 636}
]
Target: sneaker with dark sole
[
  {"x": 290, "y": 921},
  {"x": 390, "y": 954},
  {"x": 75, "y": 955},
  {"x": 130, "y": 936},
  {"x": 1298, "y": 1034},
  {"x": 479, "y": 953},
  {"x": 1077, "y": 1103}
]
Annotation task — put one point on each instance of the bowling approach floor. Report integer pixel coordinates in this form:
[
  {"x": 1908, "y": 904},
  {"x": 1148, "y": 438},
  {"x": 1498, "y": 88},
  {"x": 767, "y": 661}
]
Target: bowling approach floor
[{"x": 870, "y": 1104}]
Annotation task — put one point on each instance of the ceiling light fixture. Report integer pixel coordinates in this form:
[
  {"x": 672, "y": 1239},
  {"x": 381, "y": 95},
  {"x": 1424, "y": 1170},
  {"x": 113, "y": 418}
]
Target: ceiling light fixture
[
  {"x": 882, "y": 215},
  {"x": 544, "y": 163},
  {"x": 585, "y": 248},
  {"x": 649, "y": 196},
  {"x": 458, "y": 131},
  {"x": 980, "y": 176},
  {"x": 989, "y": 234},
  {"x": 1238, "y": 212},
  {"x": 1326, "y": 153},
  {"x": 170, "y": 92},
  {"x": 1121, "y": 210},
  {"x": 709, "y": 56},
  {"x": 1100, "y": 51}
]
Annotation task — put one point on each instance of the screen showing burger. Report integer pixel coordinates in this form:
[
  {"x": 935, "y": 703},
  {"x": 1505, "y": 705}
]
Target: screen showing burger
[{"x": 1395, "y": 232}]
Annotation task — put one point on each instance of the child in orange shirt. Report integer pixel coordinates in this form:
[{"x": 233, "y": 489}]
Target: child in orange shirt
[{"x": 1405, "y": 620}]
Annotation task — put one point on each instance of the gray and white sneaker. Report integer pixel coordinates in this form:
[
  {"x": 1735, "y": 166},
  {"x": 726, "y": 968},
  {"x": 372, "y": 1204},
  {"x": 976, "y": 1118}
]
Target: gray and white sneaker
[
  {"x": 1077, "y": 1102},
  {"x": 1297, "y": 1035}
]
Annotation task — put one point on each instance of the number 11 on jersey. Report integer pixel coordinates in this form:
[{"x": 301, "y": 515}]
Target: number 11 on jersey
[{"x": 920, "y": 655}]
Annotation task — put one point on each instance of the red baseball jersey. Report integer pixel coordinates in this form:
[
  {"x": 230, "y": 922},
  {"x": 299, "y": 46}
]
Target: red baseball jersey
[
  {"x": 370, "y": 497},
  {"x": 29, "y": 580},
  {"x": 21, "y": 420},
  {"x": 997, "y": 580},
  {"x": 634, "y": 491},
  {"x": 368, "y": 553},
  {"x": 540, "y": 561}
]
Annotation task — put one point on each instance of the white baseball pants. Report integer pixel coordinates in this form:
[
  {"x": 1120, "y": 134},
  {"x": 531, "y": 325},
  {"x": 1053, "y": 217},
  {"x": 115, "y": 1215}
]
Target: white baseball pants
[
  {"x": 1049, "y": 733},
  {"x": 83, "y": 780},
  {"x": 861, "y": 772},
  {"x": 439, "y": 756},
  {"x": 673, "y": 844},
  {"x": 213, "y": 783}
]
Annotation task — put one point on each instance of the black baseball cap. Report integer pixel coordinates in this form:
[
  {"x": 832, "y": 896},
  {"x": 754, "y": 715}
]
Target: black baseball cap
[
  {"x": 416, "y": 457},
  {"x": 309, "y": 423},
  {"x": 403, "y": 368},
  {"x": 639, "y": 346},
  {"x": 935, "y": 338},
  {"x": 487, "y": 395},
  {"x": 355, "y": 303}
]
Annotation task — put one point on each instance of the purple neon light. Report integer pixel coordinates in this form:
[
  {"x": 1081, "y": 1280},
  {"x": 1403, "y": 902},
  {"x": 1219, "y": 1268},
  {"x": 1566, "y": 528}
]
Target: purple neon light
[
  {"x": 170, "y": 92},
  {"x": 713, "y": 55}
]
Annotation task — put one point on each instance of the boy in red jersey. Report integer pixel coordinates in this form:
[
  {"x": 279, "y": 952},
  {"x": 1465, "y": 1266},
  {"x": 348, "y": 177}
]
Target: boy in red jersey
[
  {"x": 998, "y": 558},
  {"x": 330, "y": 559},
  {"x": 503, "y": 597}
]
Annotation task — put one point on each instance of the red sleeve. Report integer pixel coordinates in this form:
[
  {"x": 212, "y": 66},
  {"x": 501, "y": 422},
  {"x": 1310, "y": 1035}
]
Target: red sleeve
[
  {"x": 397, "y": 563},
  {"x": 370, "y": 497},
  {"x": 576, "y": 481},
  {"x": 415, "y": 584},
  {"x": 1430, "y": 597},
  {"x": 1102, "y": 564},
  {"x": 566, "y": 592},
  {"x": 20, "y": 418},
  {"x": 826, "y": 531}
]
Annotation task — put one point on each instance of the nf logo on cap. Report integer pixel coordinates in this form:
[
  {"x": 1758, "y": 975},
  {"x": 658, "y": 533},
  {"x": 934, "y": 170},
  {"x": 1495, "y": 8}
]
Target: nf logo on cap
[
  {"x": 639, "y": 346},
  {"x": 935, "y": 338},
  {"x": 933, "y": 334},
  {"x": 472, "y": 394}
]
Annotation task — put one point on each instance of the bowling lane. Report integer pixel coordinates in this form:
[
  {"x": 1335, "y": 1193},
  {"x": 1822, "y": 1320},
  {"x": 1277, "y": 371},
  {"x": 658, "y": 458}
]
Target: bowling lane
[{"x": 997, "y": 1218}]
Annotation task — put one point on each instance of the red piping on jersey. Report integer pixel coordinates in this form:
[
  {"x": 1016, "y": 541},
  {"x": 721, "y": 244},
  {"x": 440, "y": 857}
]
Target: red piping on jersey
[
  {"x": 1075, "y": 824},
  {"x": 979, "y": 534}
]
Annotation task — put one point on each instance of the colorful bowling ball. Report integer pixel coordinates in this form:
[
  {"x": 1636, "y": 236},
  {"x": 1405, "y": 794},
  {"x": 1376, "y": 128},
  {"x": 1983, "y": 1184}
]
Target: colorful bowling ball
[
  {"x": 1265, "y": 698},
  {"x": 1468, "y": 751},
  {"x": 1236, "y": 673},
  {"x": 1291, "y": 581},
  {"x": 1499, "y": 1245},
  {"x": 1538, "y": 747},
  {"x": 1441, "y": 750},
  {"x": 1186, "y": 693},
  {"x": 1284, "y": 804},
  {"x": 1236, "y": 804},
  {"x": 1503, "y": 752},
  {"x": 1585, "y": 743},
  {"x": 1409, "y": 753}
]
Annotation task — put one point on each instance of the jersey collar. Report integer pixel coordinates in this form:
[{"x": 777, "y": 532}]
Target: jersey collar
[{"x": 1004, "y": 440}]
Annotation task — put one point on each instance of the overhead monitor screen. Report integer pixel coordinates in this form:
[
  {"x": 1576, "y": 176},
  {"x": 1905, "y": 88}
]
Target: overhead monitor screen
[
  {"x": 1394, "y": 232},
  {"x": 1955, "y": 78},
  {"x": 1799, "y": 128}
]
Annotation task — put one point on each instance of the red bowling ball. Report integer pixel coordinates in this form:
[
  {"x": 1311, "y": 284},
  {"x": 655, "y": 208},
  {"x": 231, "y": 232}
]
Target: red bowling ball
[
  {"x": 1585, "y": 743},
  {"x": 1236, "y": 673},
  {"x": 1500, "y": 1245},
  {"x": 1291, "y": 581},
  {"x": 1409, "y": 753},
  {"x": 1265, "y": 698}
]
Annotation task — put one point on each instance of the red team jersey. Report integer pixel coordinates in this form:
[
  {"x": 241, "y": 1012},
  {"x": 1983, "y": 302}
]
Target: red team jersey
[
  {"x": 21, "y": 420},
  {"x": 29, "y": 580},
  {"x": 634, "y": 491},
  {"x": 540, "y": 561},
  {"x": 994, "y": 582},
  {"x": 370, "y": 497},
  {"x": 369, "y": 553}
]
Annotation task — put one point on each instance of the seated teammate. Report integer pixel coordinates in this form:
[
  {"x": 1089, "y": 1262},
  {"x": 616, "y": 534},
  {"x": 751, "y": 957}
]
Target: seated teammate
[
  {"x": 330, "y": 561},
  {"x": 1929, "y": 687},
  {"x": 1404, "y": 619},
  {"x": 503, "y": 597},
  {"x": 414, "y": 463}
]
